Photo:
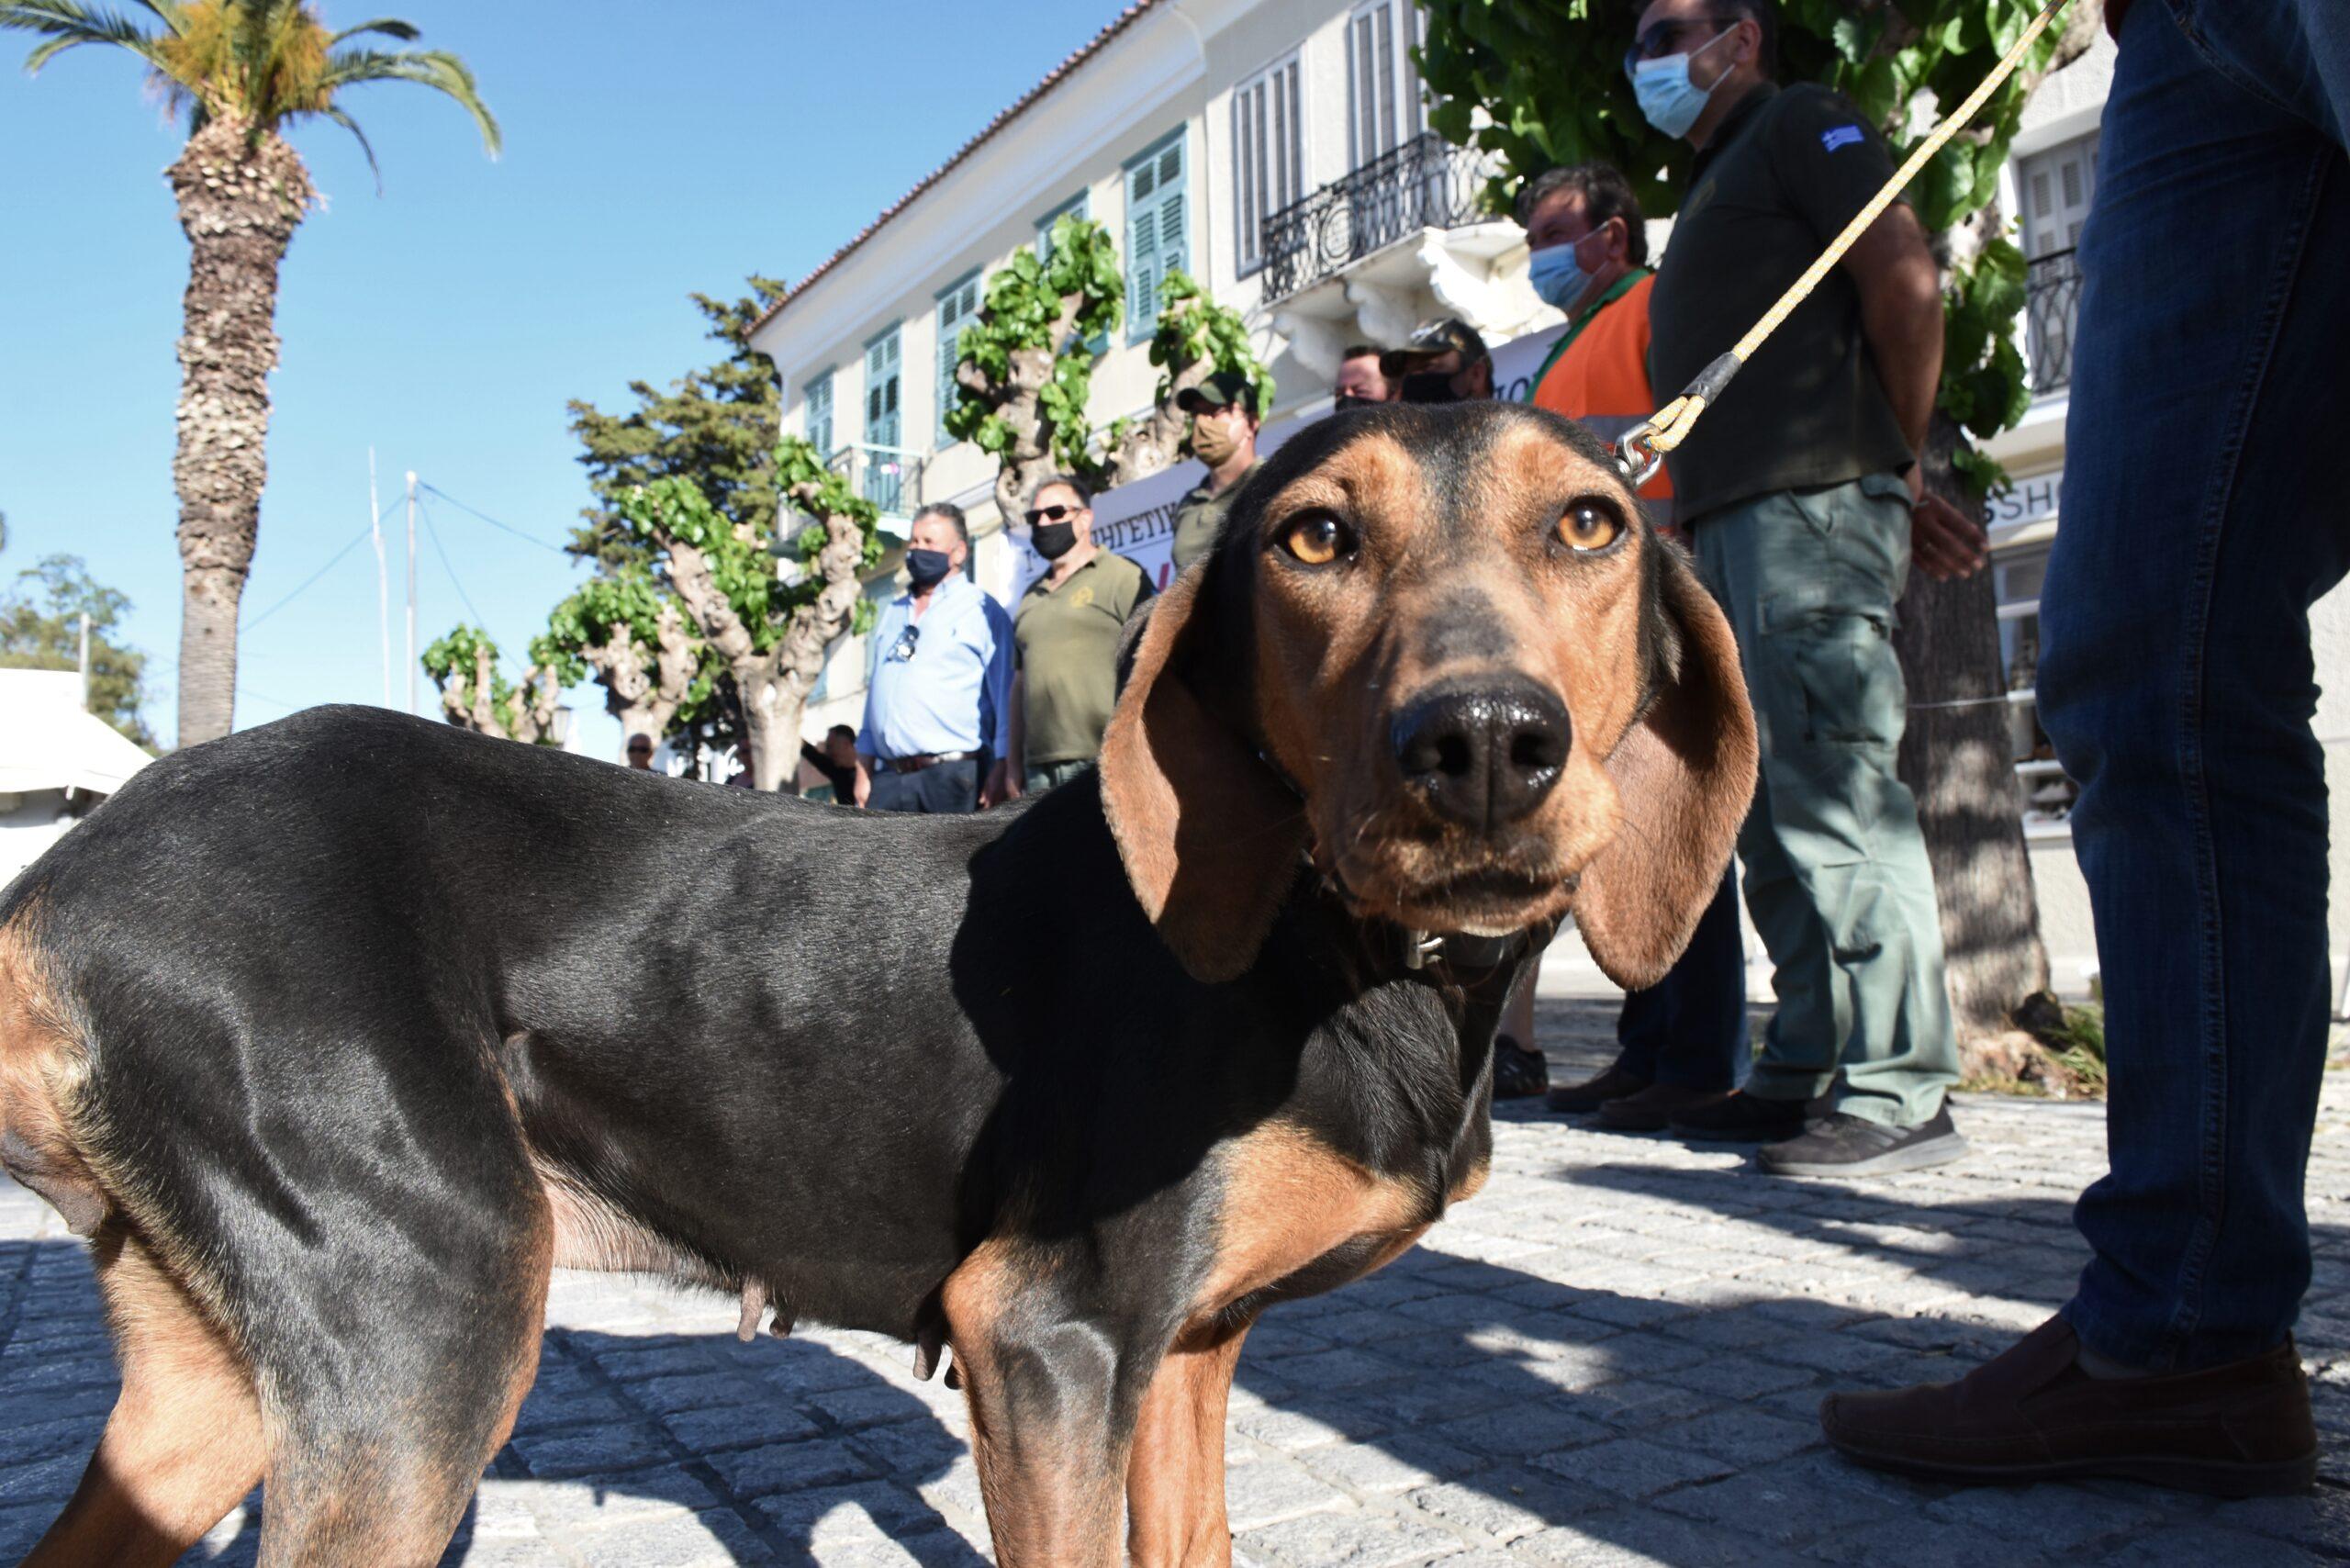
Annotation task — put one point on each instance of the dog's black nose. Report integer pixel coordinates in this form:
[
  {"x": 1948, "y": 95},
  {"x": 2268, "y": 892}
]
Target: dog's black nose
[{"x": 1484, "y": 754}]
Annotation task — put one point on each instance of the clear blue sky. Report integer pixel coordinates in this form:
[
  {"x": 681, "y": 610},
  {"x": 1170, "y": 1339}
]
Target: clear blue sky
[{"x": 649, "y": 151}]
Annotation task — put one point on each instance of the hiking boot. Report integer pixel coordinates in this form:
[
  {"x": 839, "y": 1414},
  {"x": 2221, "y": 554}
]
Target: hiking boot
[
  {"x": 1581, "y": 1098},
  {"x": 1651, "y": 1108},
  {"x": 1845, "y": 1145},
  {"x": 1518, "y": 1073},
  {"x": 1739, "y": 1118},
  {"x": 2238, "y": 1430}
]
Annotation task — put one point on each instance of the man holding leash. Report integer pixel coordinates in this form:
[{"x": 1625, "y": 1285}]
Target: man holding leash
[
  {"x": 1804, "y": 500},
  {"x": 1681, "y": 1039}
]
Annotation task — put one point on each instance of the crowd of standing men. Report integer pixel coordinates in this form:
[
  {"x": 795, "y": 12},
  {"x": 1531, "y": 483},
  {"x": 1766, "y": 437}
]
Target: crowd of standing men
[{"x": 2176, "y": 682}]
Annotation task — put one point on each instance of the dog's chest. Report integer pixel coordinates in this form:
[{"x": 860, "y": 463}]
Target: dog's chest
[{"x": 1298, "y": 1214}]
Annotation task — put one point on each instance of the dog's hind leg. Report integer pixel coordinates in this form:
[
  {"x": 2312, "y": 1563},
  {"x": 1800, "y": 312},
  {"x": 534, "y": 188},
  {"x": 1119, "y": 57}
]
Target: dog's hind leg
[
  {"x": 184, "y": 1441},
  {"x": 374, "y": 1457},
  {"x": 1175, "y": 1508}
]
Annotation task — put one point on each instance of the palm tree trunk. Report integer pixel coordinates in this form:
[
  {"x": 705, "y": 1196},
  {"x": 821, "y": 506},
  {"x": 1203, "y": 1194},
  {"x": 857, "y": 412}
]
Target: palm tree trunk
[{"x": 241, "y": 197}]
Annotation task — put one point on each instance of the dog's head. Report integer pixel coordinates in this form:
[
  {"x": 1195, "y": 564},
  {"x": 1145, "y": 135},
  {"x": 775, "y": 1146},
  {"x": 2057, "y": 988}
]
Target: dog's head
[{"x": 1440, "y": 649}]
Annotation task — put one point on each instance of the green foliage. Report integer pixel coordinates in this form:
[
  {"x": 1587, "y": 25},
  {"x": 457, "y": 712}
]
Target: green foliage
[
  {"x": 264, "y": 62},
  {"x": 1022, "y": 301},
  {"x": 1985, "y": 385},
  {"x": 40, "y": 628},
  {"x": 451, "y": 658},
  {"x": 1192, "y": 327},
  {"x": 1549, "y": 74},
  {"x": 740, "y": 566},
  {"x": 715, "y": 426}
]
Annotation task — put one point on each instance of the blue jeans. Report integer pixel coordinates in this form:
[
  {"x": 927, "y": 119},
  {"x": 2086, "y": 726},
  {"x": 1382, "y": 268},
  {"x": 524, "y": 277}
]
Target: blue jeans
[
  {"x": 1689, "y": 1029},
  {"x": 2204, "y": 514}
]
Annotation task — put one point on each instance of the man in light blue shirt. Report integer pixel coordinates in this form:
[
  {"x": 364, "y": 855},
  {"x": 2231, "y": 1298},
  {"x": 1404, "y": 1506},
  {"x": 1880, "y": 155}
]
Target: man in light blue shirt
[{"x": 935, "y": 712}]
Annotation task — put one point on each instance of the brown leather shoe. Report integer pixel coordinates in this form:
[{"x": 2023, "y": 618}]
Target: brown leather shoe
[
  {"x": 2240, "y": 1431},
  {"x": 1581, "y": 1098},
  {"x": 1648, "y": 1111}
]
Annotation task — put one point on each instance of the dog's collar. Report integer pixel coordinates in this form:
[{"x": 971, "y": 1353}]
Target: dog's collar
[{"x": 1458, "y": 950}]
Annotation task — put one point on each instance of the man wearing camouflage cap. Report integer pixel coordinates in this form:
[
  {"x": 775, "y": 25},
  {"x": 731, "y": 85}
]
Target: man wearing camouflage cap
[
  {"x": 1224, "y": 436},
  {"x": 1446, "y": 362}
]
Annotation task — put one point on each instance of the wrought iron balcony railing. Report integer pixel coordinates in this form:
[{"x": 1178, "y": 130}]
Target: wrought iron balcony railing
[
  {"x": 889, "y": 476},
  {"x": 1426, "y": 182},
  {"x": 2051, "y": 306}
]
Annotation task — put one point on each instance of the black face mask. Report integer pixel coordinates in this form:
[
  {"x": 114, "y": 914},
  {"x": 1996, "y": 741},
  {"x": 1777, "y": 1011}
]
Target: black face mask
[
  {"x": 928, "y": 566},
  {"x": 1429, "y": 387},
  {"x": 1346, "y": 400},
  {"x": 1053, "y": 540}
]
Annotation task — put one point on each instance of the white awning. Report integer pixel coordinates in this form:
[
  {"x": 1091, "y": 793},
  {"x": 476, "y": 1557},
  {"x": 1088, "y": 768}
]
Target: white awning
[{"x": 47, "y": 742}]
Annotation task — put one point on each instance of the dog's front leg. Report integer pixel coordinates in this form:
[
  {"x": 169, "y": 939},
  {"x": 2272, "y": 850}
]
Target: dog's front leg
[
  {"x": 1041, "y": 1381},
  {"x": 1175, "y": 1506}
]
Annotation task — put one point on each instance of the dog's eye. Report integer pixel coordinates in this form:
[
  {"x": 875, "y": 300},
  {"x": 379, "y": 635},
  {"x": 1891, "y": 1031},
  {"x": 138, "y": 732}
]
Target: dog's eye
[
  {"x": 1589, "y": 525},
  {"x": 1317, "y": 539}
]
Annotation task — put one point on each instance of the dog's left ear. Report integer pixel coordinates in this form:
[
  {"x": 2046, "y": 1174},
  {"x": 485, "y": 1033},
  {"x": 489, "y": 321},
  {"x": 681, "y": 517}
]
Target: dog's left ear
[
  {"x": 1685, "y": 773},
  {"x": 1210, "y": 838}
]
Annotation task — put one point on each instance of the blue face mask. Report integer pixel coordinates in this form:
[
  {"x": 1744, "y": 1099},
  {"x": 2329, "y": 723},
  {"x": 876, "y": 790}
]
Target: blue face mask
[
  {"x": 1557, "y": 274},
  {"x": 1670, "y": 100}
]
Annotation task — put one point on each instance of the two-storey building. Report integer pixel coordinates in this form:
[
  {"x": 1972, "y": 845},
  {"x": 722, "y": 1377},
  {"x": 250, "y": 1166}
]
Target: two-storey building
[{"x": 1279, "y": 151}]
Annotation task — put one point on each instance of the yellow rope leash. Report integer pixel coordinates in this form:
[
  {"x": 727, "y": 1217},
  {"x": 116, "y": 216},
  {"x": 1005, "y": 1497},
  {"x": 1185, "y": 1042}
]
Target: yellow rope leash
[{"x": 1641, "y": 450}]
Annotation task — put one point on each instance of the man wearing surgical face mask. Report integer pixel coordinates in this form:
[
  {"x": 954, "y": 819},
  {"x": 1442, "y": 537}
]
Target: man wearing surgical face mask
[
  {"x": 1802, "y": 495},
  {"x": 937, "y": 709},
  {"x": 1224, "y": 436}
]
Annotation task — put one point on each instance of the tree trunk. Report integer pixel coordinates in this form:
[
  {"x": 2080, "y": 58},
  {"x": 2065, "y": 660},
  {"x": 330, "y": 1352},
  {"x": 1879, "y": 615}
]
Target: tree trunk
[
  {"x": 1152, "y": 446},
  {"x": 645, "y": 699},
  {"x": 241, "y": 197},
  {"x": 1018, "y": 401},
  {"x": 1960, "y": 762}
]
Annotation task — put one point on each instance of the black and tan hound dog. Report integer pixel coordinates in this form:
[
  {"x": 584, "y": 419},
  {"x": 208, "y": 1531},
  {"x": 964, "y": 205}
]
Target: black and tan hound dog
[{"x": 337, "y": 1035}]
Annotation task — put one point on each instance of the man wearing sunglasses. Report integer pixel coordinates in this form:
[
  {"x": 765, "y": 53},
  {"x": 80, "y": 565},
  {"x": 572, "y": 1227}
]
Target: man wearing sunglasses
[
  {"x": 1803, "y": 498},
  {"x": 1069, "y": 625},
  {"x": 937, "y": 713}
]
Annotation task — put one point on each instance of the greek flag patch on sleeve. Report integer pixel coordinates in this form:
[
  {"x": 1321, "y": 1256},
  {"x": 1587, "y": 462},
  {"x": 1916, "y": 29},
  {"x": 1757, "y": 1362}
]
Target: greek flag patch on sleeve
[{"x": 1842, "y": 136}]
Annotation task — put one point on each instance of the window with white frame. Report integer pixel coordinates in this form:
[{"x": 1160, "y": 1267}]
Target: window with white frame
[
  {"x": 1157, "y": 231},
  {"x": 958, "y": 307},
  {"x": 884, "y": 425},
  {"x": 2054, "y": 188},
  {"x": 2047, "y": 794},
  {"x": 816, "y": 414},
  {"x": 1383, "y": 108},
  {"x": 1268, "y": 155}
]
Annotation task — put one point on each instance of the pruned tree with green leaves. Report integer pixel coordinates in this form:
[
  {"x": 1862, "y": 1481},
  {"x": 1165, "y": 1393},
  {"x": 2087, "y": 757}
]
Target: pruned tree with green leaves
[
  {"x": 630, "y": 632},
  {"x": 716, "y": 426},
  {"x": 1195, "y": 338},
  {"x": 1027, "y": 369},
  {"x": 1548, "y": 78},
  {"x": 475, "y": 696},
  {"x": 244, "y": 72},
  {"x": 40, "y": 628},
  {"x": 771, "y": 629}
]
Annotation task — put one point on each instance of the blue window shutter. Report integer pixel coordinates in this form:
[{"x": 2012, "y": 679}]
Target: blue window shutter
[
  {"x": 958, "y": 307},
  {"x": 1158, "y": 232},
  {"x": 818, "y": 415}
]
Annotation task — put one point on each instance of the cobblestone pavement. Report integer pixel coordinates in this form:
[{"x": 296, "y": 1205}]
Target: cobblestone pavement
[{"x": 1611, "y": 1356}]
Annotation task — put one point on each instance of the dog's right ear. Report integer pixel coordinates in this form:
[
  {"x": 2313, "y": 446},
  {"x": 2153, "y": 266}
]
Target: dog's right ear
[{"x": 1209, "y": 836}]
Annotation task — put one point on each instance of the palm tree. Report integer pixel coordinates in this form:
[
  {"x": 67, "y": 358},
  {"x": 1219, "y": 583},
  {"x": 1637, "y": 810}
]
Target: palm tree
[{"x": 244, "y": 70}]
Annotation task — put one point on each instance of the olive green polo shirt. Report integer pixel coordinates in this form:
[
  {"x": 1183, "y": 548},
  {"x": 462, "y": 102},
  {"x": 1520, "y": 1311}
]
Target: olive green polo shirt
[
  {"x": 1068, "y": 655},
  {"x": 1199, "y": 517},
  {"x": 1785, "y": 172}
]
